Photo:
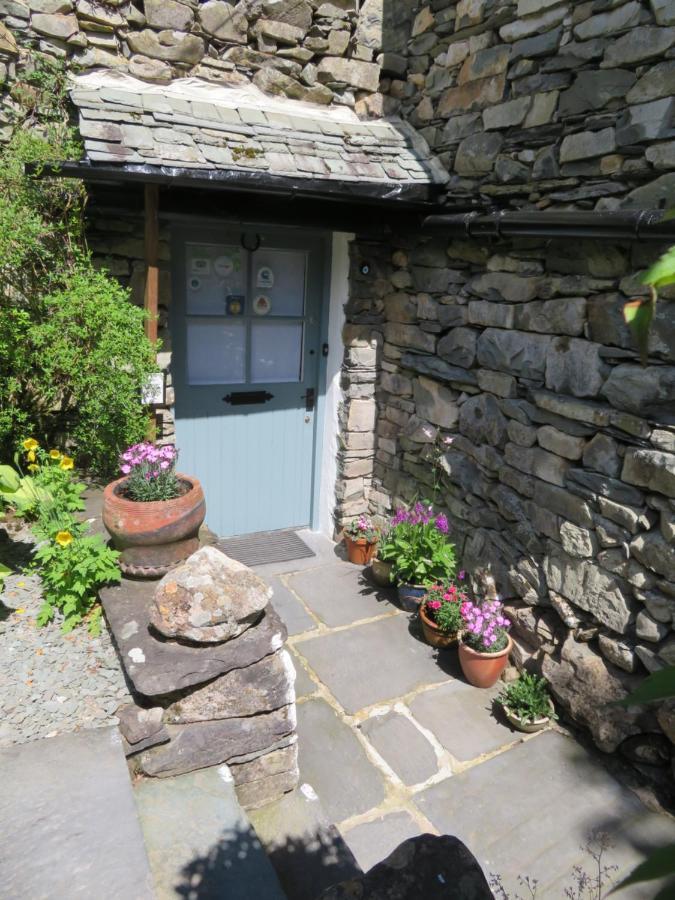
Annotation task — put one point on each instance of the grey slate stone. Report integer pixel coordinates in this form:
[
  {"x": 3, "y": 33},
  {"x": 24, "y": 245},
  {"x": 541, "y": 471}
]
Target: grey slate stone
[
  {"x": 402, "y": 746},
  {"x": 161, "y": 667},
  {"x": 375, "y": 839},
  {"x": 646, "y": 121},
  {"x": 645, "y": 391},
  {"x": 594, "y": 89},
  {"x": 644, "y": 42},
  {"x": 477, "y": 153},
  {"x": 437, "y": 368},
  {"x": 513, "y": 351},
  {"x": 575, "y": 367},
  {"x": 340, "y": 594}
]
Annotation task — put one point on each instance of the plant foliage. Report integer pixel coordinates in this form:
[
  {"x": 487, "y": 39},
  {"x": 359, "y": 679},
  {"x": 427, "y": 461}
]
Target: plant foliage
[
  {"x": 442, "y": 604},
  {"x": 528, "y": 698},
  {"x": 417, "y": 544},
  {"x": 73, "y": 355}
]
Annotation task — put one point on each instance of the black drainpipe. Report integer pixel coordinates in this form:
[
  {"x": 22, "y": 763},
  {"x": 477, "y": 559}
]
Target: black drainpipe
[{"x": 620, "y": 225}]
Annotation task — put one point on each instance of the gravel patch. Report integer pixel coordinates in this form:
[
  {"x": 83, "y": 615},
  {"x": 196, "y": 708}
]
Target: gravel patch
[{"x": 51, "y": 682}]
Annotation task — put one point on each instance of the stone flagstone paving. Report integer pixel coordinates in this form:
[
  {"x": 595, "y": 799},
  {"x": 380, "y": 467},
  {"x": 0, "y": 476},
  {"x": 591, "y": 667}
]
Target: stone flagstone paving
[{"x": 396, "y": 744}]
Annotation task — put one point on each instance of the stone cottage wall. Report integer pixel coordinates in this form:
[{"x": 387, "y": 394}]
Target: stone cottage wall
[{"x": 560, "y": 478}]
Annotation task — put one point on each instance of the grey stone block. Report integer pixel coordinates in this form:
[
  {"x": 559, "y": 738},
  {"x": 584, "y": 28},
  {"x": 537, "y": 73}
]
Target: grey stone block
[
  {"x": 373, "y": 841},
  {"x": 402, "y": 746},
  {"x": 340, "y": 594}
]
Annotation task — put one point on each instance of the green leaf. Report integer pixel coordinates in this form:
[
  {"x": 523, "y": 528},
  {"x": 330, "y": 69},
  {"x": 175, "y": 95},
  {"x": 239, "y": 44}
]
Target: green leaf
[
  {"x": 638, "y": 315},
  {"x": 658, "y": 864},
  {"x": 663, "y": 270},
  {"x": 657, "y": 686},
  {"x": 9, "y": 480}
]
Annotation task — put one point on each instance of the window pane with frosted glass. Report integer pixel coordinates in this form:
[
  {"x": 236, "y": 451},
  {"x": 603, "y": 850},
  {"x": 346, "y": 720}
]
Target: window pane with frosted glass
[
  {"x": 213, "y": 273},
  {"x": 216, "y": 351},
  {"x": 276, "y": 352},
  {"x": 279, "y": 276}
]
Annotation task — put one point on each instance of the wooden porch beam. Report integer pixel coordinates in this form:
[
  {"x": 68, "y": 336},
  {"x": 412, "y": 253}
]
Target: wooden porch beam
[{"x": 151, "y": 299}]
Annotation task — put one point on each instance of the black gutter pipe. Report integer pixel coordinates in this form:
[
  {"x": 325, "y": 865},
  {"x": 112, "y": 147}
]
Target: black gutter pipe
[{"x": 618, "y": 225}]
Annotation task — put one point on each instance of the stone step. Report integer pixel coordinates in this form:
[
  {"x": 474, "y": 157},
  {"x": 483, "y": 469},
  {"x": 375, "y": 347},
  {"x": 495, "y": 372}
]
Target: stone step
[
  {"x": 199, "y": 841},
  {"x": 306, "y": 850},
  {"x": 69, "y": 821}
]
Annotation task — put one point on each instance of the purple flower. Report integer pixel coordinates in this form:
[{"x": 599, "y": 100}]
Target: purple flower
[{"x": 442, "y": 523}]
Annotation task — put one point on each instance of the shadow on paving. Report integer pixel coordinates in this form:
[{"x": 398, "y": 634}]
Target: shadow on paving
[{"x": 305, "y": 867}]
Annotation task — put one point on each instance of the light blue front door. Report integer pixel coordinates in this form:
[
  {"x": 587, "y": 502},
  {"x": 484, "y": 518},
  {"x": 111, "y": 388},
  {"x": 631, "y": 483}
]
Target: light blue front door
[{"x": 246, "y": 332}]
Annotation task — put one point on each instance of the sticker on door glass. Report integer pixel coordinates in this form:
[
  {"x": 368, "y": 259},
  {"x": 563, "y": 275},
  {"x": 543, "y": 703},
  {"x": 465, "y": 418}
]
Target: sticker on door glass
[
  {"x": 262, "y": 305},
  {"x": 195, "y": 283},
  {"x": 223, "y": 266},
  {"x": 234, "y": 305},
  {"x": 201, "y": 265},
  {"x": 265, "y": 277}
]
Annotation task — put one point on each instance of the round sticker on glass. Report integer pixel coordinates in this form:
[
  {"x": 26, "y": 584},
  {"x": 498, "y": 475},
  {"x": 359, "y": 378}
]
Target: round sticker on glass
[
  {"x": 265, "y": 277},
  {"x": 262, "y": 305},
  {"x": 223, "y": 266},
  {"x": 195, "y": 284}
]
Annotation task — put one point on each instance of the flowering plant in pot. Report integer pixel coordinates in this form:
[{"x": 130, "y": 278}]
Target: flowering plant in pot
[
  {"x": 485, "y": 644},
  {"x": 152, "y": 512},
  {"x": 361, "y": 540},
  {"x": 527, "y": 703},
  {"x": 441, "y": 613},
  {"x": 422, "y": 554},
  {"x": 382, "y": 560}
]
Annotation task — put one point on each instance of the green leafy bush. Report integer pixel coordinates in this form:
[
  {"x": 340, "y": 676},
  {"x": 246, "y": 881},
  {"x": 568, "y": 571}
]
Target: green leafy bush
[
  {"x": 416, "y": 542},
  {"x": 528, "y": 698},
  {"x": 73, "y": 566},
  {"x": 73, "y": 353}
]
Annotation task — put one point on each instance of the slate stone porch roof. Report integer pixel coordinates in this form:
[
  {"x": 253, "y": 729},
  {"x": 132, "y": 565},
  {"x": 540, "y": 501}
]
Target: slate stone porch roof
[{"x": 192, "y": 125}]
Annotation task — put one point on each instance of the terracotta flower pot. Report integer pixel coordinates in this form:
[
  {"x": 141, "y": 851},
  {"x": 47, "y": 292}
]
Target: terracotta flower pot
[
  {"x": 433, "y": 634},
  {"x": 155, "y": 536},
  {"x": 483, "y": 669},
  {"x": 381, "y": 572},
  {"x": 359, "y": 550}
]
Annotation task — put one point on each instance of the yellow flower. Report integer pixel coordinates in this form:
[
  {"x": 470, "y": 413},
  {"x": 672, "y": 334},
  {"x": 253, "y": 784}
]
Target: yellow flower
[
  {"x": 31, "y": 456},
  {"x": 54, "y": 454},
  {"x": 30, "y": 444},
  {"x": 66, "y": 463},
  {"x": 63, "y": 538},
  {"x": 33, "y": 467}
]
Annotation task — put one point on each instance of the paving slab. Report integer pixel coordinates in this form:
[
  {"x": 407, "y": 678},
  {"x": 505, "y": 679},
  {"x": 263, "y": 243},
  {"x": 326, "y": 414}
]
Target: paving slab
[
  {"x": 291, "y": 611},
  {"x": 69, "y": 821},
  {"x": 305, "y": 848},
  {"x": 304, "y": 686},
  {"x": 326, "y": 552},
  {"x": 374, "y": 841},
  {"x": 465, "y": 720},
  {"x": 200, "y": 843},
  {"x": 530, "y": 810},
  {"x": 374, "y": 662},
  {"x": 341, "y": 593},
  {"x": 333, "y": 761},
  {"x": 403, "y": 747}
]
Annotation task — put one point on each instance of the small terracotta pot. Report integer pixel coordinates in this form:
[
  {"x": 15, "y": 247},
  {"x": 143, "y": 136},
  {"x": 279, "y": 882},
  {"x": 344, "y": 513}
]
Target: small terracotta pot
[
  {"x": 381, "y": 572},
  {"x": 155, "y": 536},
  {"x": 433, "y": 634},
  {"x": 483, "y": 669},
  {"x": 528, "y": 727},
  {"x": 410, "y": 596},
  {"x": 360, "y": 551}
]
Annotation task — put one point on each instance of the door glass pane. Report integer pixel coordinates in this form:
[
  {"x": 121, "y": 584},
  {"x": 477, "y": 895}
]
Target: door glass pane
[
  {"x": 279, "y": 282},
  {"x": 214, "y": 275},
  {"x": 216, "y": 351},
  {"x": 276, "y": 351}
]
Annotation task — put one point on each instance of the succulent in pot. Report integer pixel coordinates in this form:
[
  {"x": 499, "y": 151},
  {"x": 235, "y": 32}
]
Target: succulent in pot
[
  {"x": 441, "y": 615},
  {"x": 527, "y": 703},
  {"x": 422, "y": 554},
  {"x": 485, "y": 644},
  {"x": 361, "y": 540},
  {"x": 152, "y": 512}
]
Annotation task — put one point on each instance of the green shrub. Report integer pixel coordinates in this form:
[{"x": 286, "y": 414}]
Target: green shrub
[
  {"x": 528, "y": 698},
  {"x": 73, "y": 353}
]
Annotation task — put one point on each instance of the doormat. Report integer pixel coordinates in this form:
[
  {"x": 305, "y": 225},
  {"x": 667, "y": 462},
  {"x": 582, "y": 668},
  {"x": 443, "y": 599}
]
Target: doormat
[{"x": 265, "y": 547}]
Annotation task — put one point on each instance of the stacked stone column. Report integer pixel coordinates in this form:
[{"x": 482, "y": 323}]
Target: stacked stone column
[{"x": 213, "y": 685}]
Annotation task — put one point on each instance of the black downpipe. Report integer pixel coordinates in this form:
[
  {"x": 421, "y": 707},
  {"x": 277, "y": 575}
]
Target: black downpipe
[{"x": 620, "y": 225}]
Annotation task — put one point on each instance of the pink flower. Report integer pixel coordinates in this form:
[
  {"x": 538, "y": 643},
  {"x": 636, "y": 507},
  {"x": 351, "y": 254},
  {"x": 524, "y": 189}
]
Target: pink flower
[{"x": 125, "y": 469}]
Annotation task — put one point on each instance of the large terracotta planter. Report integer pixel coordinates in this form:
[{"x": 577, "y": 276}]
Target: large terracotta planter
[
  {"x": 433, "y": 634},
  {"x": 360, "y": 551},
  {"x": 156, "y": 536},
  {"x": 483, "y": 669}
]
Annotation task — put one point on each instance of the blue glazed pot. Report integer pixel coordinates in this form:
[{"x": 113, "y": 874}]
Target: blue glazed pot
[{"x": 410, "y": 595}]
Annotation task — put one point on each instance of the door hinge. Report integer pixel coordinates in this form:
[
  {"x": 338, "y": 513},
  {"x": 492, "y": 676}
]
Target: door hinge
[{"x": 310, "y": 398}]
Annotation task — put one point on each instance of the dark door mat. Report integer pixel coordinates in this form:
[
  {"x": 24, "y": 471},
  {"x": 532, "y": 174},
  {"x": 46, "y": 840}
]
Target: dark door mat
[{"x": 265, "y": 547}]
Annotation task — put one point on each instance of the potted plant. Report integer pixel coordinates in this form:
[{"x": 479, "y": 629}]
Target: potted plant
[
  {"x": 441, "y": 615},
  {"x": 527, "y": 704},
  {"x": 153, "y": 513},
  {"x": 422, "y": 553},
  {"x": 361, "y": 539},
  {"x": 383, "y": 559},
  {"x": 485, "y": 644}
]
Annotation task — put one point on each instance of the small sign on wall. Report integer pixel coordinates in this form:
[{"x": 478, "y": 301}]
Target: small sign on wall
[{"x": 153, "y": 392}]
